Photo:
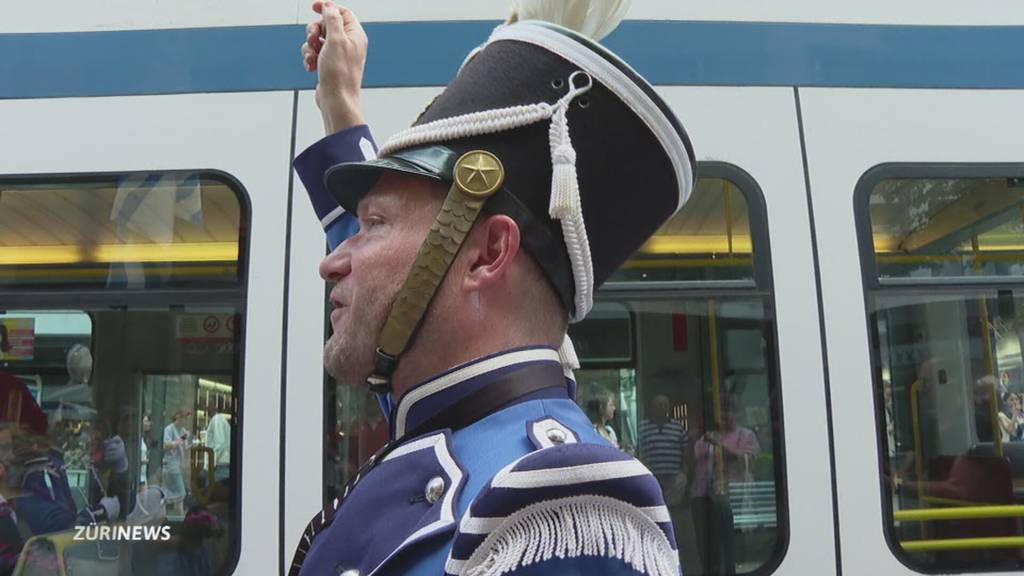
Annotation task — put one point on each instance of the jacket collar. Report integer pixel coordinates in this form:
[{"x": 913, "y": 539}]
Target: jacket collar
[{"x": 427, "y": 398}]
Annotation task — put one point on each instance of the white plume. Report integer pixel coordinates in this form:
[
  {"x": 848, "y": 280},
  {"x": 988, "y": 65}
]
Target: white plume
[{"x": 593, "y": 18}]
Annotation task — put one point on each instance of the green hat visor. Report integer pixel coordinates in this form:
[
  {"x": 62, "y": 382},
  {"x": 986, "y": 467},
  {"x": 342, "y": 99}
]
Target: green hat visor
[{"x": 352, "y": 181}]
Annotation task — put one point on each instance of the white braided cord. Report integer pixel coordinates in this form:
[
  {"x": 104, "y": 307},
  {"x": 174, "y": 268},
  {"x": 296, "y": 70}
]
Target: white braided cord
[
  {"x": 472, "y": 124},
  {"x": 565, "y": 204}
]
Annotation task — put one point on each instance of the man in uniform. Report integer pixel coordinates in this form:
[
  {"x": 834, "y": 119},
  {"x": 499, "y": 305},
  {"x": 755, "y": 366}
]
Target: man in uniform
[{"x": 458, "y": 257}]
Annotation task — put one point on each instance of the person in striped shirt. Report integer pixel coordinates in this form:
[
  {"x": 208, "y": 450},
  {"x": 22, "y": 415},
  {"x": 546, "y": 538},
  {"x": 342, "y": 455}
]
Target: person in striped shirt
[{"x": 663, "y": 448}]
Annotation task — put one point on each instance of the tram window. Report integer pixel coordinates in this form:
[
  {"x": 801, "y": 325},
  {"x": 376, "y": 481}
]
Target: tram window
[
  {"x": 709, "y": 239},
  {"x": 142, "y": 230},
  {"x": 944, "y": 270},
  {"x": 119, "y": 406},
  {"x": 948, "y": 227}
]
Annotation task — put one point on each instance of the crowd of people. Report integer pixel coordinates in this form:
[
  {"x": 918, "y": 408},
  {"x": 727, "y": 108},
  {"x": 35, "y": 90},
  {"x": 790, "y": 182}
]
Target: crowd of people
[
  {"x": 57, "y": 474},
  {"x": 695, "y": 472}
]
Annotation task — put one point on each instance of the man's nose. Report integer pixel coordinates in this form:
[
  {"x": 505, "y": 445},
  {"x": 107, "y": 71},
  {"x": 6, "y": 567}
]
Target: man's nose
[{"x": 337, "y": 264}]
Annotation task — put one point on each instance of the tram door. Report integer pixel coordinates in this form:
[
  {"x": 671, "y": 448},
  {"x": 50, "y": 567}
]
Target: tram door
[
  {"x": 919, "y": 207},
  {"x": 142, "y": 264},
  {"x": 714, "y": 332}
]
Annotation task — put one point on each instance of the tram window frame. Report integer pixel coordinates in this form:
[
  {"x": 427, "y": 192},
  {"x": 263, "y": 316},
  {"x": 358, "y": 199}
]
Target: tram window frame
[
  {"x": 31, "y": 297},
  {"x": 761, "y": 285},
  {"x": 872, "y": 284}
]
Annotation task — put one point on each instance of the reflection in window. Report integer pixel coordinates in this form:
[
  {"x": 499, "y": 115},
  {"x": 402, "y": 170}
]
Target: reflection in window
[
  {"x": 948, "y": 227},
  {"x": 948, "y": 368},
  {"x": 143, "y": 230},
  {"x": 118, "y": 412},
  {"x": 686, "y": 382}
]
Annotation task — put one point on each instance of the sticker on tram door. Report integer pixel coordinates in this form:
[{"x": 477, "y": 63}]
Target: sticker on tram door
[
  {"x": 17, "y": 338},
  {"x": 205, "y": 333}
]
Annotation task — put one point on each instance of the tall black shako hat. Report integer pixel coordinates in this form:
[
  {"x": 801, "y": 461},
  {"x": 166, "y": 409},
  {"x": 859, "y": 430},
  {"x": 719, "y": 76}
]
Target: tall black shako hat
[{"x": 594, "y": 160}]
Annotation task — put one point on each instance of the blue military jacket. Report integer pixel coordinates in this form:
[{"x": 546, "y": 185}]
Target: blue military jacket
[
  {"x": 529, "y": 488},
  {"x": 491, "y": 467}
]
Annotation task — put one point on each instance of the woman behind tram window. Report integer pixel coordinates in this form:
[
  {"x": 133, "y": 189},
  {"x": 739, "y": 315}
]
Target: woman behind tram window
[{"x": 601, "y": 411}]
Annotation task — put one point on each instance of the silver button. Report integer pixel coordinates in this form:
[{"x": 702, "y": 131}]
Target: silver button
[
  {"x": 434, "y": 490},
  {"x": 352, "y": 572},
  {"x": 556, "y": 435}
]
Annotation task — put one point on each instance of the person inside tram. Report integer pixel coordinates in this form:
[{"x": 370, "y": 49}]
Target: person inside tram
[
  {"x": 983, "y": 392},
  {"x": 218, "y": 439},
  {"x": 44, "y": 502},
  {"x": 144, "y": 447},
  {"x": 108, "y": 474},
  {"x": 175, "y": 444},
  {"x": 1017, "y": 416},
  {"x": 1010, "y": 418},
  {"x": 601, "y": 411},
  {"x": 187, "y": 554},
  {"x": 723, "y": 456}
]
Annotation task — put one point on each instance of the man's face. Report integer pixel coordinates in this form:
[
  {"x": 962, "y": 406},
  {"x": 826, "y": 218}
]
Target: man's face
[
  {"x": 369, "y": 268},
  {"x": 660, "y": 406}
]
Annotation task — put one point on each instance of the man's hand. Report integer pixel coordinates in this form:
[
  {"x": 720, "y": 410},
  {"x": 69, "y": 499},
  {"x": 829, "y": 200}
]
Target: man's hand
[{"x": 336, "y": 48}]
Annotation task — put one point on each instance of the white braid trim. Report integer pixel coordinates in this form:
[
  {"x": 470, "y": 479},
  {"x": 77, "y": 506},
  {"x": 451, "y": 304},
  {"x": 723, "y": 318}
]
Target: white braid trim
[
  {"x": 574, "y": 527},
  {"x": 472, "y": 124},
  {"x": 567, "y": 354}
]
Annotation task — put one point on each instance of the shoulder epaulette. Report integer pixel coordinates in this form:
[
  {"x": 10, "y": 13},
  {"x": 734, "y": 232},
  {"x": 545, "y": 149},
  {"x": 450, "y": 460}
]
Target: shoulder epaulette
[{"x": 566, "y": 501}]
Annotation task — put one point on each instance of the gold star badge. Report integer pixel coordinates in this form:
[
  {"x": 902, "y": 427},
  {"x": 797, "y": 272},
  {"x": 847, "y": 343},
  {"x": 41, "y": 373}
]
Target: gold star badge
[{"x": 479, "y": 173}]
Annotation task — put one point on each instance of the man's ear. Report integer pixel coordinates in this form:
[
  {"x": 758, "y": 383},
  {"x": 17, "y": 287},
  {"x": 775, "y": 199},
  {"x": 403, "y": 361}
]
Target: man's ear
[{"x": 494, "y": 246}]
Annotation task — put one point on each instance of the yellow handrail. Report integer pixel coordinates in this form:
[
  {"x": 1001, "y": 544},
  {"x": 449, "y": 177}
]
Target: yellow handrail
[
  {"x": 990, "y": 368},
  {"x": 727, "y": 194},
  {"x": 197, "y": 456},
  {"x": 716, "y": 396},
  {"x": 997, "y": 429},
  {"x": 915, "y": 420},
  {"x": 949, "y": 501},
  {"x": 963, "y": 543},
  {"x": 958, "y": 513}
]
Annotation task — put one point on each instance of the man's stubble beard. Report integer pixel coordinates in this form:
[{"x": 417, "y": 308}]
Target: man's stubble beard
[{"x": 348, "y": 357}]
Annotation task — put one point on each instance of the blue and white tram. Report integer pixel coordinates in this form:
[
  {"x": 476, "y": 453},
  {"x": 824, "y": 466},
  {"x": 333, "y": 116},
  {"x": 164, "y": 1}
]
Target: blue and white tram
[{"x": 842, "y": 287}]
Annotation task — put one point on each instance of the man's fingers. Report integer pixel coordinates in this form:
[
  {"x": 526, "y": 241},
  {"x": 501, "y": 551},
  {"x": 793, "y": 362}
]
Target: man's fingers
[
  {"x": 314, "y": 42},
  {"x": 333, "y": 23},
  {"x": 351, "y": 24},
  {"x": 309, "y": 57}
]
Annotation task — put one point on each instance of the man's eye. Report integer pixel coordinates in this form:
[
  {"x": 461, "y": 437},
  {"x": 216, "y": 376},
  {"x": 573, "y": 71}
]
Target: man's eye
[{"x": 370, "y": 223}]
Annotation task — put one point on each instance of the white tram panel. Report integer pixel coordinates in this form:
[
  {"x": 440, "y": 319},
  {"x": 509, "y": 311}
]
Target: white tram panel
[
  {"x": 755, "y": 129},
  {"x": 93, "y": 15},
  {"x": 153, "y": 133},
  {"x": 849, "y": 131}
]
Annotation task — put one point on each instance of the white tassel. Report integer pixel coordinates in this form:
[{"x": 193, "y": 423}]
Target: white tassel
[
  {"x": 565, "y": 204},
  {"x": 571, "y": 528},
  {"x": 567, "y": 354},
  {"x": 565, "y": 187}
]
